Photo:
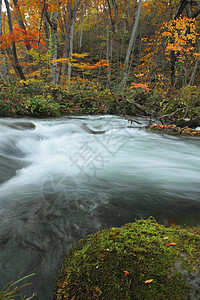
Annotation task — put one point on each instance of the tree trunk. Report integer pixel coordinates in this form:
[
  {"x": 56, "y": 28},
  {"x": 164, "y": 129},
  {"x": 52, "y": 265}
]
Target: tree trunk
[
  {"x": 66, "y": 39},
  {"x": 71, "y": 44},
  {"x": 21, "y": 23},
  {"x": 109, "y": 55},
  {"x": 4, "y": 66},
  {"x": 130, "y": 47},
  {"x": 38, "y": 49},
  {"x": 46, "y": 30},
  {"x": 54, "y": 47},
  {"x": 172, "y": 68},
  {"x": 53, "y": 40},
  {"x": 16, "y": 65},
  {"x": 111, "y": 29},
  {"x": 27, "y": 45},
  {"x": 71, "y": 38},
  {"x": 194, "y": 72},
  {"x": 82, "y": 22}
]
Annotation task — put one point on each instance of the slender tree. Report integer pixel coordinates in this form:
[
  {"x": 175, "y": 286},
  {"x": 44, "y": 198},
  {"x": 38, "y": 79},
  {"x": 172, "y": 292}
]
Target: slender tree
[
  {"x": 82, "y": 23},
  {"x": 53, "y": 43},
  {"x": 54, "y": 46},
  {"x": 69, "y": 37},
  {"x": 130, "y": 46},
  {"x": 21, "y": 22},
  {"x": 4, "y": 63},
  {"x": 111, "y": 29},
  {"x": 16, "y": 64}
]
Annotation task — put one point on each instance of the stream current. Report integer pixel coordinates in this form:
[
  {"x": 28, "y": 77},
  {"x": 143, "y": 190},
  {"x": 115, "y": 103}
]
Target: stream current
[{"x": 72, "y": 176}]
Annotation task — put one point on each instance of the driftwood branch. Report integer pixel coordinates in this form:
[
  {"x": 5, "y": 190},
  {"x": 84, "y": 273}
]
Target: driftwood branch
[
  {"x": 130, "y": 119},
  {"x": 169, "y": 115}
]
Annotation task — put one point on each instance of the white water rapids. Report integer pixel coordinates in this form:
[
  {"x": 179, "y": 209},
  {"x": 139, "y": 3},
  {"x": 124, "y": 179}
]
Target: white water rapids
[{"x": 72, "y": 176}]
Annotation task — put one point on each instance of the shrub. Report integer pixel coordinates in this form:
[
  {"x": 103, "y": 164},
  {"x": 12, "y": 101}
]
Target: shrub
[
  {"x": 38, "y": 106},
  {"x": 186, "y": 102},
  {"x": 189, "y": 99}
]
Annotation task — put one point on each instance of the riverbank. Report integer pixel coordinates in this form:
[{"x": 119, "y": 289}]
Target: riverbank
[{"x": 34, "y": 98}]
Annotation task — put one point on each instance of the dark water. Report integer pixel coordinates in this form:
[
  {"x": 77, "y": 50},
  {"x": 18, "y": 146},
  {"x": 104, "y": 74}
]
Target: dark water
[{"x": 73, "y": 176}]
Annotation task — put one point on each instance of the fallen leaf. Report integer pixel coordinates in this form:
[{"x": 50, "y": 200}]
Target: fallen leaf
[
  {"x": 148, "y": 281},
  {"x": 170, "y": 244},
  {"x": 126, "y": 273}
]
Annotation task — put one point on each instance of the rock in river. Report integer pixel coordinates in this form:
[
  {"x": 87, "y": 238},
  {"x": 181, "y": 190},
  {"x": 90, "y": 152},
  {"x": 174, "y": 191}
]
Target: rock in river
[
  {"x": 21, "y": 125},
  {"x": 141, "y": 260}
]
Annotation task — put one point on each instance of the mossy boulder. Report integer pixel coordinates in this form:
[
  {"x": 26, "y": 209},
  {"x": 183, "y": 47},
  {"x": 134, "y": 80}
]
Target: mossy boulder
[{"x": 141, "y": 260}]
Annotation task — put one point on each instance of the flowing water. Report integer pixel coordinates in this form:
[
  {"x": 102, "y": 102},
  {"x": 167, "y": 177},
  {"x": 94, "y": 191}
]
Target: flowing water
[{"x": 69, "y": 177}]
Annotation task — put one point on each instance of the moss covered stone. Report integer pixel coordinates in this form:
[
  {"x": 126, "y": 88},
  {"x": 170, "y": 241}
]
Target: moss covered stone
[{"x": 141, "y": 260}]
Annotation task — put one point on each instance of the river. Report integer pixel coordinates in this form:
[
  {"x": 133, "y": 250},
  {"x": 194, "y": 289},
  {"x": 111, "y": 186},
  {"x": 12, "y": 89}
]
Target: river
[{"x": 72, "y": 176}]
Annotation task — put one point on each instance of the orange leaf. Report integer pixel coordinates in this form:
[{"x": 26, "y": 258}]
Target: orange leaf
[
  {"x": 126, "y": 273},
  {"x": 139, "y": 85},
  {"x": 170, "y": 244}
]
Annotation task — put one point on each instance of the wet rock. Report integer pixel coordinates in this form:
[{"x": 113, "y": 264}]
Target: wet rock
[{"x": 22, "y": 125}]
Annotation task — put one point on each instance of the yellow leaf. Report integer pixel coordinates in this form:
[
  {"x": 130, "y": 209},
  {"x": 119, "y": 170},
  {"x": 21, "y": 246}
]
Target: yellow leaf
[{"x": 148, "y": 281}]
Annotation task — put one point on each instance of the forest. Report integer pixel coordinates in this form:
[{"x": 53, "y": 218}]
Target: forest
[
  {"x": 99, "y": 57},
  {"x": 81, "y": 84}
]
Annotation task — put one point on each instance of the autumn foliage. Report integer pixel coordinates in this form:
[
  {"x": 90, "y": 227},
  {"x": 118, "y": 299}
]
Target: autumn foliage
[{"x": 65, "y": 42}]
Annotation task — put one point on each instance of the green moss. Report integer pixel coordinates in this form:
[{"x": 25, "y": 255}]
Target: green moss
[{"x": 116, "y": 263}]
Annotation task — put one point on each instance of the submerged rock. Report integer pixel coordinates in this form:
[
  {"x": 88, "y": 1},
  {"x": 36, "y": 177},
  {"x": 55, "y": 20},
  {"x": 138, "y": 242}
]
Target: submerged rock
[
  {"x": 22, "y": 125},
  {"x": 141, "y": 260}
]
